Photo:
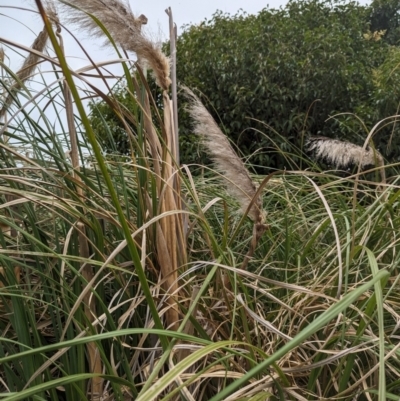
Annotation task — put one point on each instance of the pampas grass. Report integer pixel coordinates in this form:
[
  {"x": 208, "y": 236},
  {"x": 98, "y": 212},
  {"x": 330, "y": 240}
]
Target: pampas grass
[
  {"x": 26, "y": 71},
  {"x": 31, "y": 62},
  {"x": 239, "y": 183},
  {"x": 343, "y": 154},
  {"x": 227, "y": 162},
  {"x": 273, "y": 331},
  {"x": 117, "y": 18},
  {"x": 125, "y": 29}
]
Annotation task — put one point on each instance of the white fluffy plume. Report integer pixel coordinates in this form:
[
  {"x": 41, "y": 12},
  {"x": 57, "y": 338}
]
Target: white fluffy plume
[
  {"x": 124, "y": 28},
  {"x": 343, "y": 154},
  {"x": 239, "y": 183}
]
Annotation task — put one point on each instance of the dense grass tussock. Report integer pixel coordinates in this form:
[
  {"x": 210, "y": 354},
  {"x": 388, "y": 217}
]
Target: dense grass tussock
[{"x": 132, "y": 279}]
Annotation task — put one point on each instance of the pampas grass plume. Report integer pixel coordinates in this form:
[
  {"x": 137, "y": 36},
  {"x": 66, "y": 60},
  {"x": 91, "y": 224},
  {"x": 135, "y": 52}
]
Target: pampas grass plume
[
  {"x": 125, "y": 29},
  {"x": 30, "y": 63},
  {"x": 27, "y": 69},
  {"x": 240, "y": 185},
  {"x": 342, "y": 154}
]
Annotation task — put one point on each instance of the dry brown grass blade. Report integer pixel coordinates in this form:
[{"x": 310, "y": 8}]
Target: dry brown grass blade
[
  {"x": 151, "y": 135},
  {"x": 95, "y": 364},
  {"x": 167, "y": 228},
  {"x": 169, "y": 234},
  {"x": 169, "y": 274},
  {"x": 172, "y": 178},
  {"x": 125, "y": 29}
]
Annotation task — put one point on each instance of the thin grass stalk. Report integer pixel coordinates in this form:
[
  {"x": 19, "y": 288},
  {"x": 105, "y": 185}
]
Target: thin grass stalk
[
  {"x": 181, "y": 233},
  {"x": 167, "y": 238},
  {"x": 179, "y": 204},
  {"x": 2, "y": 57},
  {"x": 151, "y": 135},
  {"x": 95, "y": 364},
  {"x": 381, "y": 382},
  {"x": 172, "y": 41}
]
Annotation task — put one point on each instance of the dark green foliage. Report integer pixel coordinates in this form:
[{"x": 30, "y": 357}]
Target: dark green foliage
[
  {"x": 290, "y": 69},
  {"x": 385, "y": 16},
  {"x": 111, "y": 133}
]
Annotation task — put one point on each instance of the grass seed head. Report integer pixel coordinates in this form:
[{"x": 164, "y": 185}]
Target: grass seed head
[
  {"x": 342, "y": 154},
  {"x": 125, "y": 29},
  {"x": 240, "y": 185}
]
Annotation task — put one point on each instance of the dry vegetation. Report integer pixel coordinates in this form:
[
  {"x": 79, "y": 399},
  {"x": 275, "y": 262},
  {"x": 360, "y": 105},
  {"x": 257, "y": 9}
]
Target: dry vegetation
[{"x": 131, "y": 279}]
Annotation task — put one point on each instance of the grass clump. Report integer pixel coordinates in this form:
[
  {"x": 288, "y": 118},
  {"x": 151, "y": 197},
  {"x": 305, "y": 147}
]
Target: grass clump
[{"x": 131, "y": 279}]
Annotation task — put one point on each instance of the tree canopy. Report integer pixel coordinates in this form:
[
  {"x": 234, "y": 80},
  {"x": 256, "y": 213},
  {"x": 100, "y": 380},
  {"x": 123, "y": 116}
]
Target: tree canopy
[{"x": 307, "y": 68}]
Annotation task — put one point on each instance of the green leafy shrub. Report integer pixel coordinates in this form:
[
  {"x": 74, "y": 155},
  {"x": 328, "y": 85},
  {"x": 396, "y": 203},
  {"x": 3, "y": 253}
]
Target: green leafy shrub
[{"x": 273, "y": 78}]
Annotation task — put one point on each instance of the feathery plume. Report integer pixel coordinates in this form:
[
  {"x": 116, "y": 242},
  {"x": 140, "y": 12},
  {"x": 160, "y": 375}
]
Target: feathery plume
[
  {"x": 224, "y": 157},
  {"x": 125, "y": 29},
  {"x": 2, "y": 55},
  {"x": 51, "y": 12},
  {"x": 342, "y": 154},
  {"x": 27, "y": 69},
  {"x": 30, "y": 63}
]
